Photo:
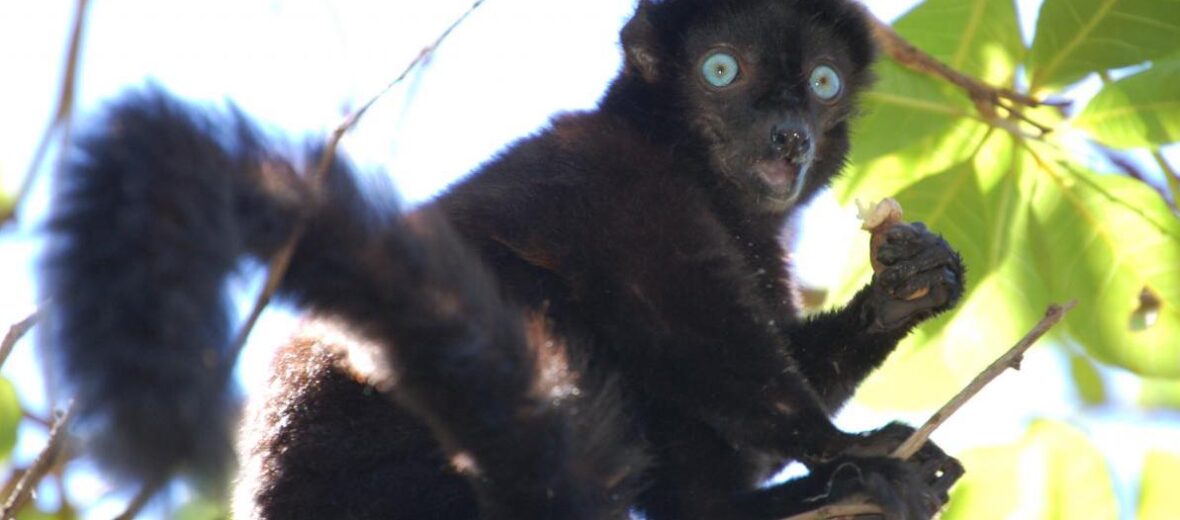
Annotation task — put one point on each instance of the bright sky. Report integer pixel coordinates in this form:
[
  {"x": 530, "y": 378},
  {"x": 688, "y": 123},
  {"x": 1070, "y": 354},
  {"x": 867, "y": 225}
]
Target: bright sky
[{"x": 299, "y": 65}]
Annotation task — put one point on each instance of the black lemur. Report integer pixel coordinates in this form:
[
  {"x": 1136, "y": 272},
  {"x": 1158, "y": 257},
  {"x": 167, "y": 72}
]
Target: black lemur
[{"x": 596, "y": 322}]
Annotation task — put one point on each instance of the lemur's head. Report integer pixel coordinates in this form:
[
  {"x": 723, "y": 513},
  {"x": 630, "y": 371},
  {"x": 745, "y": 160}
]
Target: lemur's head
[{"x": 767, "y": 85}]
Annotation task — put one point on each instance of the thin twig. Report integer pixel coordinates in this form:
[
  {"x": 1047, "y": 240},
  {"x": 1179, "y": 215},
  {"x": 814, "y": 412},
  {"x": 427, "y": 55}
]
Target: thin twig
[
  {"x": 987, "y": 98},
  {"x": 15, "y": 333},
  {"x": 857, "y": 505},
  {"x": 40, "y": 467},
  {"x": 1010, "y": 359},
  {"x": 37, "y": 419},
  {"x": 61, "y": 117},
  {"x": 282, "y": 259}
]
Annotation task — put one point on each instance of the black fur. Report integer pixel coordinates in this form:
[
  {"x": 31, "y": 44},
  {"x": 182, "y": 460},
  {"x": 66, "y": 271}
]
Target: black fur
[{"x": 597, "y": 320}]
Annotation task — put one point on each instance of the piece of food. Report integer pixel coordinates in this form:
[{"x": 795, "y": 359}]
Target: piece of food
[{"x": 878, "y": 219}]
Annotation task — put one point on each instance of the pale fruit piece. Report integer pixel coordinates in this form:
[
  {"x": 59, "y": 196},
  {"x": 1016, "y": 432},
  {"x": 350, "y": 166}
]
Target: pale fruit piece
[
  {"x": 877, "y": 219},
  {"x": 879, "y": 216}
]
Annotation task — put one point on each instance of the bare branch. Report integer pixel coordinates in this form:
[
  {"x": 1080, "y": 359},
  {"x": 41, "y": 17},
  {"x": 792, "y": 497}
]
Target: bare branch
[
  {"x": 989, "y": 100},
  {"x": 858, "y": 505},
  {"x": 1010, "y": 359},
  {"x": 281, "y": 260},
  {"x": 34, "y": 418},
  {"x": 61, "y": 117},
  {"x": 15, "y": 333},
  {"x": 40, "y": 467}
]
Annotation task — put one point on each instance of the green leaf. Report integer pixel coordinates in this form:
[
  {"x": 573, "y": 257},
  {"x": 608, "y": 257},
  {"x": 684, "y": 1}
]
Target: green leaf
[
  {"x": 896, "y": 175},
  {"x": 1160, "y": 394},
  {"x": 942, "y": 126},
  {"x": 1108, "y": 241},
  {"x": 1139, "y": 111},
  {"x": 923, "y": 106},
  {"x": 1077, "y": 483},
  {"x": 1158, "y": 499},
  {"x": 10, "y": 417},
  {"x": 980, "y": 38},
  {"x": 975, "y": 206},
  {"x": 987, "y": 491},
  {"x": 1076, "y": 37},
  {"x": 1086, "y": 379},
  {"x": 1053, "y": 472}
]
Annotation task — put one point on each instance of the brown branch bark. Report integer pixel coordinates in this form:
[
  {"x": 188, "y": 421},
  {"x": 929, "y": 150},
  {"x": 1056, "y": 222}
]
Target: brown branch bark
[
  {"x": 989, "y": 100},
  {"x": 41, "y": 466},
  {"x": 281, "y": 260},
  {"x": 859, "y": 506},
  {"x": 1010, "y": 359},
  {"x": 15, "y": 333}
]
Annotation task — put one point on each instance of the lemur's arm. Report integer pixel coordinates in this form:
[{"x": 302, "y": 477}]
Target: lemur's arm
[
  {"x": 838, "y": 349},
  {"x": 155, "y": 210}
]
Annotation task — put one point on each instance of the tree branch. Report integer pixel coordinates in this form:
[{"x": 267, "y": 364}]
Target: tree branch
[
  {"x": 859, "y": 505},
  {"x": 989, "y": 100},
  {"x": 1010, "y": 359},
  {"x": 40, "y": 467},
  {"x": 282, "y": 259},
  {"x": 15, "y": 333}
]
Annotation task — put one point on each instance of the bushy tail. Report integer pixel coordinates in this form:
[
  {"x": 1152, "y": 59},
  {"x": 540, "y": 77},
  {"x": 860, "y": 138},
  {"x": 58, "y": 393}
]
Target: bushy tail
[
  {"x": 144, "y": 229},
  {"x": 153, "y": 212}
]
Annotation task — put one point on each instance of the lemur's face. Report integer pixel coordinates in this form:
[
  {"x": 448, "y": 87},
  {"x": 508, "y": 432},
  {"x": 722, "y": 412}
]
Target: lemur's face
[
  {"x": 769, "y": 86},
  {"x": 772, "y": 89}
]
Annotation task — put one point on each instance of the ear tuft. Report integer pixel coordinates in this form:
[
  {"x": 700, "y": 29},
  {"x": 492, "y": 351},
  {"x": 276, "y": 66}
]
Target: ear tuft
[{"x": 640, "y": 44}]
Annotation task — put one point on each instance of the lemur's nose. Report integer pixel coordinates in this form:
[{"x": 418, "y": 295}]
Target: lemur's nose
[{"x": 792, "y": 142}]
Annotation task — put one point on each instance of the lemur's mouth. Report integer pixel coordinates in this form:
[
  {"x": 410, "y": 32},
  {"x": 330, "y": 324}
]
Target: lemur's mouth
[{"x": 783, "y": 177}]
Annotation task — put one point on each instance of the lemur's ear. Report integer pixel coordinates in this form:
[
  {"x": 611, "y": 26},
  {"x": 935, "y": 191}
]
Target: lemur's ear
[{"x": 641, "y": 45}]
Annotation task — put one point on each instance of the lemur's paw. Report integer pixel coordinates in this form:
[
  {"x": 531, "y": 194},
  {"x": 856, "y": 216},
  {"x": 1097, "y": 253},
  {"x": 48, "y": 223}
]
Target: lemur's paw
[
  {"x": 931, "y": 468},
  {"x": 922, "y": 276}
]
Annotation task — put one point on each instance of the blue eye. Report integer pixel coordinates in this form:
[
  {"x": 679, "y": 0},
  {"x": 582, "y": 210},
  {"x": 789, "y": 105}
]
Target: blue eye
[
  {"x": 720, "y": 69},
  {"x": 825, "y": 82}
]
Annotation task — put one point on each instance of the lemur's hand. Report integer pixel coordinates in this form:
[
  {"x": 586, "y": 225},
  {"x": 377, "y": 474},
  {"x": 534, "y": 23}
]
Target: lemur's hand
[
  {"x": 920, "y": 277},
  {"x": 929, "y": 473}
]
